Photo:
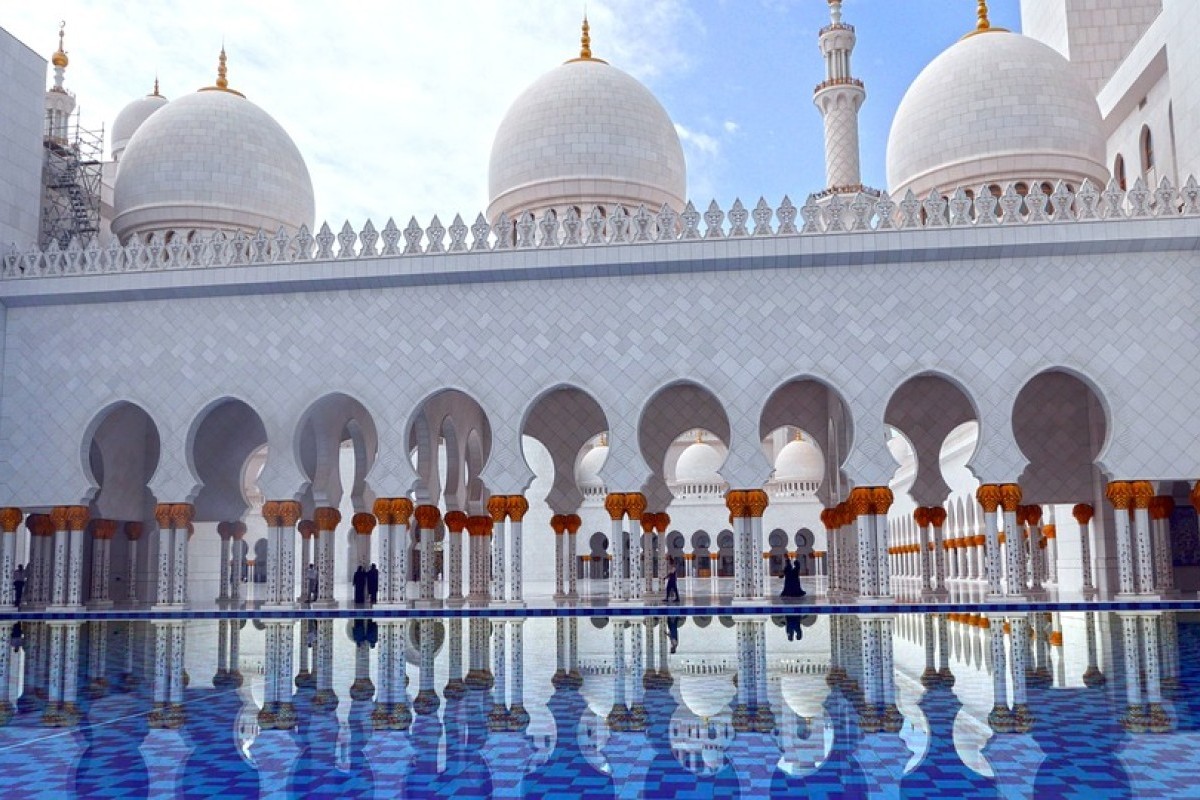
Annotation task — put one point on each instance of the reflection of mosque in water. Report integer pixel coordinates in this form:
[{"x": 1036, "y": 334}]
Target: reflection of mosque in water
[{"x": 994, "y": 703}]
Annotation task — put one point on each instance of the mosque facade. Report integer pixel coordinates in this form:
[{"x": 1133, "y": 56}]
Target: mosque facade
[{"x": 977, "y": 380}]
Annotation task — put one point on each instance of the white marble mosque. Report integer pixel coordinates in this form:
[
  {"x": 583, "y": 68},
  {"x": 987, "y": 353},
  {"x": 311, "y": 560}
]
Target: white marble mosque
[{"x": 977, "y": 382}]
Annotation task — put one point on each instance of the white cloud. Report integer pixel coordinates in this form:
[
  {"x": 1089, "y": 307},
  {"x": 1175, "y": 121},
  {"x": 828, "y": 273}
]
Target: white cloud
[
  {"x": 730, "y": 126},
  {"x": 393, "y": 105},
  {"x": 702, "y": 142}
]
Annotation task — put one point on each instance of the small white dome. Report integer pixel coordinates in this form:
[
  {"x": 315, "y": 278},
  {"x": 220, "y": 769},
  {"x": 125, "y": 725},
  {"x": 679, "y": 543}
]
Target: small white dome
[
  {"x": 706, "y": 696},
  {"x": 207, "y": 161},
  {"x": 131, "y": 118},
  {"x": 585, "y": 134},
  {"x": 993, "y": 108},
  {"x": 799, "y": 460},
  {"x": 587, "y": 471},
  {"x": 699, "y": 463}
]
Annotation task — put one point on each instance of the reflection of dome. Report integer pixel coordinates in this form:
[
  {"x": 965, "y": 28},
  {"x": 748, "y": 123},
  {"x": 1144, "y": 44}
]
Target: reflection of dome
[
  {"x": 799, "y": 460},
  {"x": 804, "y": 694},
  {"x": 706, "y": 695},
  {"x": 699, "y": 463},
  {"x": 211, "y": 160},
  {"x": 585, "y": 134},
  {"x": 597, "y": 691},
  {"x": 587, "y": 471},
  {"x": 995, "y": 107},
  {"x": 131, "y": 118}
]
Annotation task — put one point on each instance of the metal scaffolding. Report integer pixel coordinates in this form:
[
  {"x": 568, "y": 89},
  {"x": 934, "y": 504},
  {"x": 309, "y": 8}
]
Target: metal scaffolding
[{"x": 71, "y": 177}]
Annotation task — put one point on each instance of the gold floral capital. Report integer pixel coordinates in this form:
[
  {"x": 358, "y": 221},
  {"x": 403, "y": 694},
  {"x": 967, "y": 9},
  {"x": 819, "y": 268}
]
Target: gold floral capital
[
  {"x": 1119, "y": 493},
  {"x": 427, "y": 517},
  {"x": 859, "y": 501},
  {"x": 382, "y": 508},
  {"x": 558, "y": 524},
  {"x": 1082, "y": 513},
  {"x": 881, "y": 500},
  {"x": 1195, "y": 496},
  {"x": 10, "y": 519},
  {"x": 937, "y": 516},
  {"x": 1142, "y": 492},
  {"x": 574, "y": 523},
  {"x": 162, "y": 515},
  {"x": 614, "y": 504},
  {"x": 307, "y": 528},
  {"x": 402, "y": 510},
  {"x": 1033, "y": 515},
  {"x": 327, "y": 518},
  {"x": 1010, "y": 496},
  {"x": 479, "y": 525},
  {"x": 104, "y": 529},
  {"x": 756, "y": 502},
  {"x": 988, "y": 496},
  {"x": 635, "y": 504},
  {"x": 363, "y": 523},
  {"x": 455, "y": 521},
  {"x": 133, "y": 531},
  {"x": 181, "y": 514},
  {"x": 516, "y": 505},
  {"x": 497, "y": 506},
  {"x": 921, "y": 516},
  {"x": 736, "y": 501}
]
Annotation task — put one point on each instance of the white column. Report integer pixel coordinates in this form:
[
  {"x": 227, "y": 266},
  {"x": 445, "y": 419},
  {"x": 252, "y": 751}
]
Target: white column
[
  {"x": 237, "y": 559},
  {"x": 881, "y": 501},
  {"x": 864, "y": 525},
  {"x": 427, "y": 520},
  {"x": 988, "y": 496},
  {"x": 327, "y": 519},
  {"x": 1037, "y": 556},
  {"x": 615, "y": 505},
  {"x": 1160, "y": 528},
  {"x": 383, "y": 513},
  {"x": 1143, "y": 492},
  {"x": 559, "y": 525},
  {"x": 756, "y": 502},
  {"x": 1050, "y": 531},
  {"x": 516, "y": 506},
  {"x": 402, "y": 511},
  {"x": 937, "y": 519},
  {"x": 10, "y": 520},
  {"x": 455, "y": 523},
  {"x": 1120, "y": 494},
  {"x": 498, "y": 508},
  {"x": 921, "y": 517},
  {"x": 182, "y": 533},
  {"x": 133, "y": 533},
  {"x": 166, "y": 553},
  {"x": 573, "y": 523},
  {"x": 224, "y": 567},
  {"x": 1010, "y": 495}
]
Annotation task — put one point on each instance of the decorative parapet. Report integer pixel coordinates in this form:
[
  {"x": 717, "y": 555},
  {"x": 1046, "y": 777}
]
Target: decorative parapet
[{"x": 865, "y": 212}]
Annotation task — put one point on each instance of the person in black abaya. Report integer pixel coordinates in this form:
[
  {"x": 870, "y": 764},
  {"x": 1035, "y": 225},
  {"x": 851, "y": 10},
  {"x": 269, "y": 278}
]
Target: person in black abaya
[
  {"x": 373, "y": 583},
  {"x": 791, "y": 581},
  {"x": 360, "y": 586}
]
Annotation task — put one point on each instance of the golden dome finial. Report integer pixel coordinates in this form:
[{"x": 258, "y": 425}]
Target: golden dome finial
[
  {"x": 982, "y": 23},
  {"x": 222, "y": 81},
  {"x": 155, "y": 92},
  {"x": 585, "y": 40},
  {"x": 799, "y": 436},
  {"x": 59, "y": 59}
]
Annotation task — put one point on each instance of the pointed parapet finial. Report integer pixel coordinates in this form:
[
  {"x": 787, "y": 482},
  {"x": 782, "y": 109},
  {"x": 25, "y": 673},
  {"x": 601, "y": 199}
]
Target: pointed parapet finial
[
  {"x": 222, "y": 84},
  {"x": 835, "y": 12},
  {"x": 59, "y": 59},
  {"x": 585, "y": 44},
  {"x": 982, "y": 23},
  {"x": 155, "y": 92}
]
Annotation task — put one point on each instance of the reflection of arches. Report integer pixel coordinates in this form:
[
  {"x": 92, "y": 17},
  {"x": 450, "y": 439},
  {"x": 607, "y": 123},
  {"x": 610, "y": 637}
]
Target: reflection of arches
[
  {"x": 121, "y": 452},
  {"x": 671, "y": 412},
  {"x": 222, "y": 439},
  {"x": 1060, "y": 425},
  {"x": 564, "y": 419},
  {"x": 925, "y": 409},
  {"x": 813, "y": 406}
]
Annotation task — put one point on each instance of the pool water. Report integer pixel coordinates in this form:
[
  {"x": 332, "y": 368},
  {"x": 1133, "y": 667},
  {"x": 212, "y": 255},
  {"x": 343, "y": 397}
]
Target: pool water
[{"x": 1019, "y": 704}]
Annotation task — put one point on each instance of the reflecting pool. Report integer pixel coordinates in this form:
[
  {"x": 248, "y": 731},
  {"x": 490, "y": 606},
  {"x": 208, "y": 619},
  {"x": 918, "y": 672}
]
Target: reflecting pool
[{"x": 1019, "y": 704}]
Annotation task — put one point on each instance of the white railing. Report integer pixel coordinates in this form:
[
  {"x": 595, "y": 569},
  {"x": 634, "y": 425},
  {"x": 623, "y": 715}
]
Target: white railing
[{"x": 191, "y": 249}]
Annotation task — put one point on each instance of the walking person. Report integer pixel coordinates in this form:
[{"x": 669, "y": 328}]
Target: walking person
[
  {"x": 373, "y": 583},
  {"x": 791, "y": 581},
  {"x": 18, "y": 584},
  {"x": 672, "y": 582},
  {"x": 310, "y": 580},
  {"x": 360, "y": 586}
]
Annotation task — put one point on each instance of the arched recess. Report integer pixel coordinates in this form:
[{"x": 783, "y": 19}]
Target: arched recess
[
  {"x": 121, "y": 450},
  {"x": 926, "y": 409},
  {"x": 222, "y": 438},
  {"x": 674, "y": 410},
  {"x": 1060, "y": 424},
  {"x": 330, "y": 422},
  {"x": 564, "y": 420},
  {"x": 450, "y": 438},
  {"x": 813, "y": 406}
]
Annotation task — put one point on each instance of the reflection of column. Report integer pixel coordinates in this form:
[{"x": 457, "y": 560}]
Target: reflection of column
[
  {"x": 456, "y": 522},
  {"x": 1120, "y": 494},
  {"x": 999, "y": 719},
  {"x": 10, "y": 520},
  {"x": 756, "y": 504},
  {"x": 516, "y": 505},
  {"x": 1156, "y": 715},
  {"x": 614, "y": 504},
  {"x": 497, "y": 507},
  {"x": 988, "y": 496},
  {"x": 1083, "y": 515},
  {"x": 1135, "y": 715},
  {"x": 327, "y": 519},
  {"x": 1022, "y": 716}
]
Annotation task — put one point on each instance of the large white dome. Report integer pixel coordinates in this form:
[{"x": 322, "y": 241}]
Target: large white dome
[
  {"x": 799, "y": 460},
  {"x": 585, "y": 134},
  {"x": 587, "y": 471},
  {"x": 699, "y": 463},
  {"x": 131, "y": 118},
  {"x": 995, "y": 107},
  {"x": 211, "y": 160}
]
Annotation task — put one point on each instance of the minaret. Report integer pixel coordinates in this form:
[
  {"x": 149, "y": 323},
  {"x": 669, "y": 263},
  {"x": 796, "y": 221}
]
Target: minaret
[
  {"x": 838, "y": 98},
  {"x": 59, "y": 104}
]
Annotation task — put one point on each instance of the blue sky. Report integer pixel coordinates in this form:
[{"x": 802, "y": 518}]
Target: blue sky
[{"x": 394, "y": 104}]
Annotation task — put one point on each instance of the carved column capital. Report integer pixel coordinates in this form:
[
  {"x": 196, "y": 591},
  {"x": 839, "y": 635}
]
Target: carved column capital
[
  {"x": 382, "y": 509},
  {"x": 455, "y": 521},
  {"x": 307, "y": 528},
  {"x": 363, "y": 523},
  {"x": 1142, "y": 492},
  {"x": 937, "y": 516},
  {"x": 558, "y": 524},
  {"x": 1082, "y": 513},
  {"x": 881, "y": 500},
  {"x": 1033, "y": 514},
  {"x": 756, "y": 502},
  {"x": 181, "y": 514},
  {"x": 735, "y": 501},
  {"x": 1010, "y": 496},
  {"x": 614, "y": 504},
  {"x": 988, "y": 496},
  {"x": 270, "y": 512},
  {"x": 1120, "y": 494},
  {"x": 497, "y": 506},
  {"x": 1195, "y": 496},
  {"x": 921, "y": 516},
  {"x": 574, "y": 522},
  {"x": 133, "y": 531},
  {"x": 859, "y": 502},
  {"x": 10, "y": 519},
  {"x": 401, "y": 509},
  {"x": 635, "y": 504},
  {"x": 662, "y": 521},
  {"x": 516, "y": 505},
  {"x": 327, "y": 518},
  {"x": 428, "y": 517},
  {"x": 104, "y": 529}
]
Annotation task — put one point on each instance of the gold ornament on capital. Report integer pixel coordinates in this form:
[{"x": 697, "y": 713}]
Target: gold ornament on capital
[
  {"x": 428, "y": 517},
  {"x": 988, "y": 496},
  {"x": 326, "y": 518},
  {"x": 382, "y": 508},
  {"x": 1082, "y": 513},
  {"x": 10, "y": 519},
  {"x": 1143, "y": 491},
  {"x": 363, "y": 523},
  {"x": 1010, "y": 496},
  {"x": 497, "y": 506},
  {"x": 1119, "y": 493},
  {"x": 270, "y": 512},
  {"x": 635, "y": 504},
  {"x": 401, "y": 510},
  {"x": 614, "y": 504},
  {"x": 516, "y": 505},
  {"x": 756, "y": 502},
  {"x": 455, "y": 521}
]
